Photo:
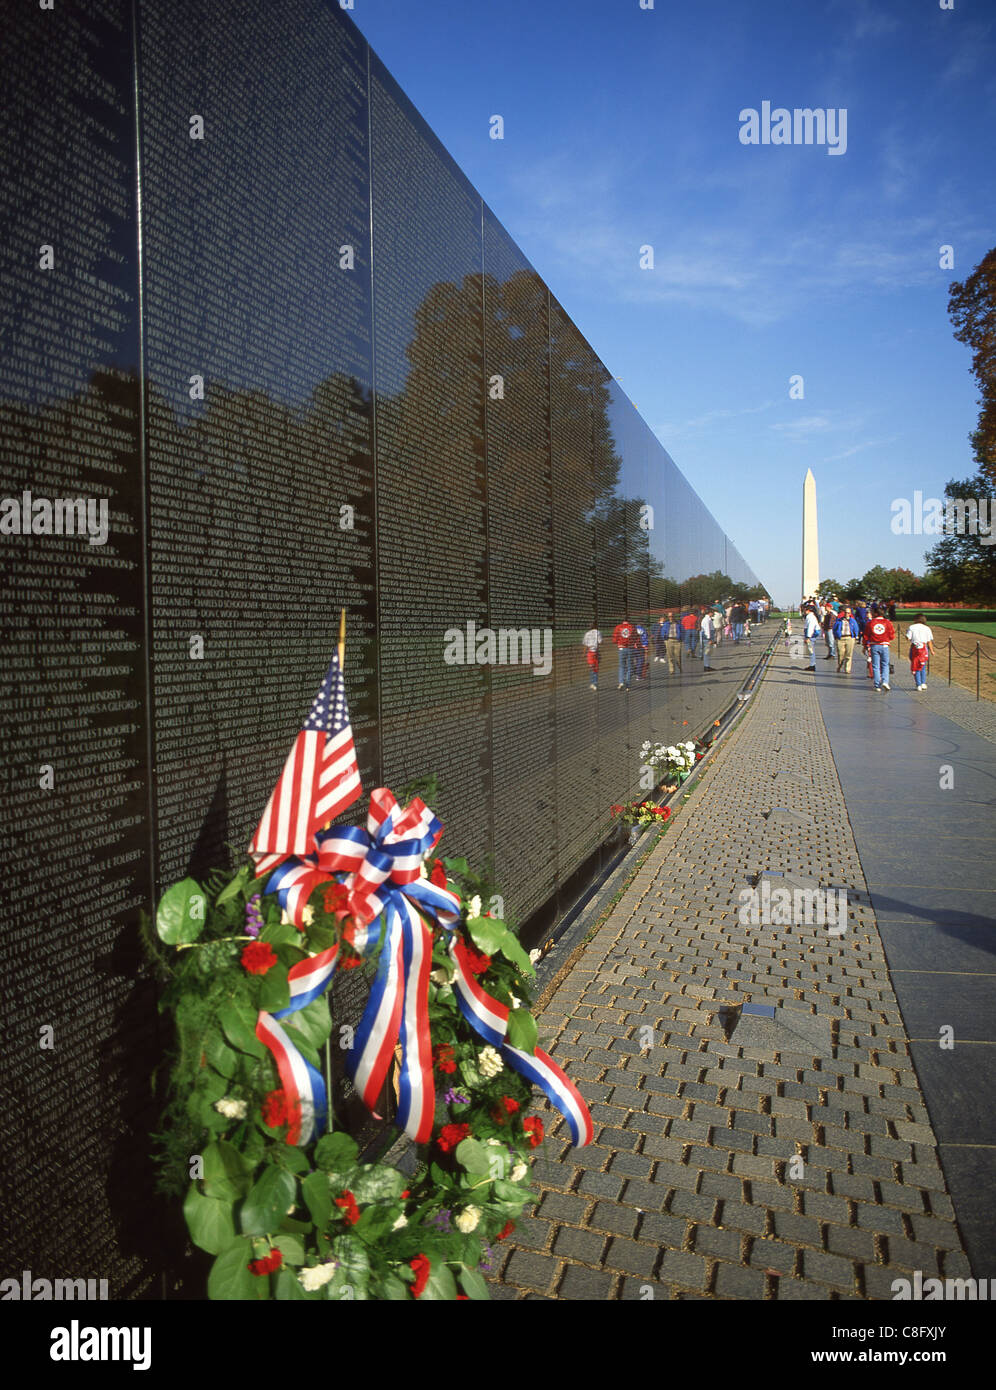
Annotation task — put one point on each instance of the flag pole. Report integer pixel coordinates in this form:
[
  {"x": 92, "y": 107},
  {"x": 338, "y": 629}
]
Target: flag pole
[{"x": 328, "y": 1040}]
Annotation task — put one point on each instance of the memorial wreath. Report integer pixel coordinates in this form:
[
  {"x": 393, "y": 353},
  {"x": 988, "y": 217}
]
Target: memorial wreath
[{"x": 287, "y": 1206}]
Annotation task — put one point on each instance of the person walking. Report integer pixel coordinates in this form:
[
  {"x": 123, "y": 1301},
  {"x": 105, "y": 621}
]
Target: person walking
[
  {"x": 674, "y": 635},
  {"x": 642, "y": 648},
  {"x": 921, "y": 641},
  {"x": 625, "y": 637},
  {"x": 690, "y": 624},
  {"x": 879, "y": 632},
  {"x": 738, "y": 617},
  {"x": 706, "y": 630},
  {"x": 829, "y": 617},
  {"x": 811, "y": 631},
  {"x": 591, "y": 642},
  {"x": 660, "y": 638},
  {"x": 845, "y": 630}
]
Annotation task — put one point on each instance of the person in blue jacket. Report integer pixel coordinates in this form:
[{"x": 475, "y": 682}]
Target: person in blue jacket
[{"x": 847, "y": 632}]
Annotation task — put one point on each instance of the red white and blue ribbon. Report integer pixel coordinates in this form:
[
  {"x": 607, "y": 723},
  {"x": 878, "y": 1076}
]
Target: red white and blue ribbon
[{"x": 383, "y": 865}]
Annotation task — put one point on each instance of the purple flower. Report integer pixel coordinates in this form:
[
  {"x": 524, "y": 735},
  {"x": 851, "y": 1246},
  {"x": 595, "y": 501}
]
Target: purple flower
[
  {"x": 441, "y": 1220},
  {"x": 254, "y": 918},
  {"x": 487, "y": 1263},
  {"x": 452, "y": 1097}
]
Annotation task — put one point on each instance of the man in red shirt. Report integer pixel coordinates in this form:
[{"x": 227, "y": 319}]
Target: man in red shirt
[
  {"x": 627, "y": 639},
  {"x": 877, "y": 635}
]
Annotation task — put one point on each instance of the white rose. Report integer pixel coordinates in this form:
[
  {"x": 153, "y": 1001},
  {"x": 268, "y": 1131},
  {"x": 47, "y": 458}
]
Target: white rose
[
  {"x": 422, "y": 872},
  {"x": 231, "y": 1109},
  {"x": 535, "y": 956},
  {"x": 519, "y": 1172},
  {"x": 316, "y": 1276},
  {"x": 489, "y": 1062},
  {"x": 493, "y": 1143},
  {"x": 467, "y": 1220},
  {"x": 516, "y": 1003},
  {"x": 474, "y": 907},
  {"x": 308, "y": 916},
  {"x": 441, "y": 976},
  {"x": 400, "y": 1223}
]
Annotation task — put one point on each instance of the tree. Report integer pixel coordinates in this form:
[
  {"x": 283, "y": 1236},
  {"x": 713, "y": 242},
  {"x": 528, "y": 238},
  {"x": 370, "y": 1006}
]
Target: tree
[
  {"x": 829, "y": 587},
  {"x": 972, "y": 309},
  {"x": 965, "y": 562}
]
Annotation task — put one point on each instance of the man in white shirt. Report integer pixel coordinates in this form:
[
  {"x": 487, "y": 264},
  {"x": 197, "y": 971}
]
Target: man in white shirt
[
  {"x": 921, "y": 641},
  {"x": 706, "y": 627},
  {"x": 812, "y": 630},
  {"x": 591, "y": 642}
]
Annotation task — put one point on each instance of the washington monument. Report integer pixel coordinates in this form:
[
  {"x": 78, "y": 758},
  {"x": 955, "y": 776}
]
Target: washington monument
[{"x": 810, "y": 545}]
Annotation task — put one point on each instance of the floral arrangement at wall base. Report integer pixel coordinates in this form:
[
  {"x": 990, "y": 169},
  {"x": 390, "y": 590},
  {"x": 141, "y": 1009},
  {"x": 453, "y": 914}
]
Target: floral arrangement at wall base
[{"x": 284, "y": 1201}]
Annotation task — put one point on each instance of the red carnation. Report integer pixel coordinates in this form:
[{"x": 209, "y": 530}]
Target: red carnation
[
  {"x": 444, "y": 1058},
  {"x": 506, "y": 1230},
  {"x": 510, "y": 1105},
  {"x": 534, "y": 1128},
  {"x": 336, "y": 897},
  {"x": 350, "y": 1211},
  {"x": 451, "y": 1135},
  {"x": 349, "y": 962},
  {"x": 421, "y": 1268},
  {"x": 275, "y": 1110},
  {"x": 258, "y": 957},
  {"x": 268, "y": 1265},
  {"x": 477, "y": 961},
  {"x": 437, "y": 874}
]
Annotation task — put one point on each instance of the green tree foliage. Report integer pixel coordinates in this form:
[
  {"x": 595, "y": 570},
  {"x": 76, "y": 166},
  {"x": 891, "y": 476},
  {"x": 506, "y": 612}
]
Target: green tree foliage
[
  {"x": 972, "y": 309},
  {"x": 966, "y": 564}
]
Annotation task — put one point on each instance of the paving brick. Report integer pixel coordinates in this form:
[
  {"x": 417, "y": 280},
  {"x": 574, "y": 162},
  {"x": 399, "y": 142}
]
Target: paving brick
[
  {"x": 531, "y": 1271},
  {"x": 803, "y": 1230},
  {"x": 631, "y": 1257},
  {"x": 854, "y": 1185},
  {"x": 773, "y": 1195},
  {"x": 733, "y": 1281},
  {"x": 563, "y": 1206},
  {"x": 632, "y": 1165},
  {"x": 657, "y": 1228},
  {"x": 579, "y": 1245},
  {"x": 586, "y": 1285},
  {"x": 754, "y": 1166},
  {"x": 934, "y": 1232},
  {"x": 613, "y": 1218},
  {"x": 683, "y": 1269},
  {"x": 715, "y": 1159},
  {"x": 880, "y": 1219},
  {"x": 911, "y": 1254},
  {"x": 617, "y": 1138},
  {"x": 799, "y": 1291},
  {"x": 826, "y": 1208},
  {"x": 721, "y": 1185},
  {"x": 697, "y": 1206},
  {"x": 848, "y": 1240},
  {"x": 879, "y": 1281},
  {"x": 828, "y": 1269},
  {"x": 773, "y": 1254},
  {"x": 532, "y": 1234},
  {"x": 601, "y": 1185},
  {"x": 658, "y": 1146},
  {"x": 709, "y": 1240},
  {"x": 740, "y": 1217}
]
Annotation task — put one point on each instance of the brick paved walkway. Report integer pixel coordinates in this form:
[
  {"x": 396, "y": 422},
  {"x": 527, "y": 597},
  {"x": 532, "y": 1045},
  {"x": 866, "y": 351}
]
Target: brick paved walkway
[{"x": 738, "y": 1156}]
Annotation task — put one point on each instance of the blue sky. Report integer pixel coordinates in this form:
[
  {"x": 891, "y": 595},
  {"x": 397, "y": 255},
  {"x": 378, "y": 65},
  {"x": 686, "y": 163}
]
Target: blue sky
[{"x": 621, "y": 129}]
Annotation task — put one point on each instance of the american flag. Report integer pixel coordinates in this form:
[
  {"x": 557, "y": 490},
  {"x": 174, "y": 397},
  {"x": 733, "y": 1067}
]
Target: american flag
[{"x": 320, "y": 779}]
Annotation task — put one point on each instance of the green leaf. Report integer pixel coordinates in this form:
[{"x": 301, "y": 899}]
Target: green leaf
[
  {"x": 392, "y": 1289},
  {"x": 220, "y": 1055},
  {"x": 239, "y": 1022},
  {"x": 280, "y": 933},
  {"x": 235, "y": 887},
  {"x": 274, "y": 990},
  {"x": 473, "y": 1155},
  {"x": 314, "y": 1023},
  {"x": 441, "y": 1286},
  {"x": 376, "y": 1183},
  {"x": 354, "y": 1264},
  {"x": 336, "y": 1153},
  {"x": 289, "y": 1288},
  {"x": 291, "y": 1247},
  {"x": 318, "y": 1198},
  {"x": 511, "y": 1194},
  {"x": 182, "y": 913},
  {"x": 230, "y": 1278},
  {"x": 473, "y": 1284},
  {"x": 295, "y": 1227},
  {"x": 209, "y": 1221},
  {"x": 293, "y": 1158},
  {"x": 487, "y": 934},
  {"x": 522, "y": 1031},
  {"x": 266, "y": 1205},
  {"x": 225, "y": 1172},
  {"x": 512, "y": 951},
  {"x": 456, "y": 866},
  {"x": 321, "y": 938}
]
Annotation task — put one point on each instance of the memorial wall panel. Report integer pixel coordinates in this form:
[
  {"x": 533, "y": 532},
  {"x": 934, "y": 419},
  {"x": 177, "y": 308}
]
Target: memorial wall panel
[
  {"x": 431, "y": 475},
  {"x": 520, "y": 568},
  {"x": 318, "y": 308},
  {"x": 258, "y": 357},
  {"x": 73, "y": 739}
]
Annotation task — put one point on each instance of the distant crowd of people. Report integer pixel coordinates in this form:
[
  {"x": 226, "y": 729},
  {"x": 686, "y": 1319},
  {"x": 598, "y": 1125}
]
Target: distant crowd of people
[
  {"x": 691, "y": 632},
  {"x": 868, "y": 625}
]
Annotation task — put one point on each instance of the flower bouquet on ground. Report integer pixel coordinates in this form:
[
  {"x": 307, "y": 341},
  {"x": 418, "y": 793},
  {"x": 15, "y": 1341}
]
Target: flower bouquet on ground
[
  {"x": 287, "y": 1205},
  {"x": 641, "y": 814},
  {"x": 673, "y": 761}
]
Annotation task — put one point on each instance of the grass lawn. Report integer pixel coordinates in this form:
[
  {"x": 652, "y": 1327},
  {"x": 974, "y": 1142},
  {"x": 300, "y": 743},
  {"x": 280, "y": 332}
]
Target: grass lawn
[{"x": 979, "y": 621}]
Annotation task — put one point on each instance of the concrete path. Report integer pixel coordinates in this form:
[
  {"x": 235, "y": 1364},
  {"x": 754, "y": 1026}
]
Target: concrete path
[{"x": 779, "y": 1152}]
